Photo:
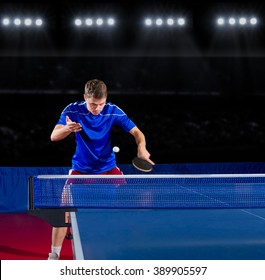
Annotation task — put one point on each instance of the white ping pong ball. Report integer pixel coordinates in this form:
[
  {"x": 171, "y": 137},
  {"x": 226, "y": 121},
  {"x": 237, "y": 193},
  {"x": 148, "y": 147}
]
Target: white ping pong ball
[{"x": 116, "y": 149}]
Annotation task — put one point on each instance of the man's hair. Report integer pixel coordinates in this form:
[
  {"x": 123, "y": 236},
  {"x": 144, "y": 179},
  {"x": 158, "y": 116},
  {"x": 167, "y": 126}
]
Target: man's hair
[{"x": 96, "y": 88}]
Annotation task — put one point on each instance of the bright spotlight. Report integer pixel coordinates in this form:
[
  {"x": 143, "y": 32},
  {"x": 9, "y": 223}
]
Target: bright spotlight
[
  {"x": 181, "y": 21},
  {"x": 78, "y": 22},
  {"x": 89, "y": 21},
  {"x": 28, "y": 21},
  {"x": 170, "y": 21},
  {"x": 242, "y": 21},
  {"x": 111, "y": 21},
  {"x": 253, "y": 21},
  {"x": 159, "y": 21},
  {"x": 99, "y": 21},
  {"x": 232, "y": 21},
  {"x": 6, "y": 21},
  {"x": 220, "y": 21},
  {"x": 38, "y": 21},
  {"x": 148, "y": 22},
  {"x": 17, "y": 21}
]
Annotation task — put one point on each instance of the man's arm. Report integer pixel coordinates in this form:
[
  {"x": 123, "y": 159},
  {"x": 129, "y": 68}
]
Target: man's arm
[
  {"x": 141, "y": 144},
  {"x": 61, "y": 131}
]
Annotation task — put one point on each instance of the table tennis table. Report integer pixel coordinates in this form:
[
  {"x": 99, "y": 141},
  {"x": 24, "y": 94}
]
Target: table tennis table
[
  {"x": 168, "y": 234},
  {"x": 164, "y": 217}
]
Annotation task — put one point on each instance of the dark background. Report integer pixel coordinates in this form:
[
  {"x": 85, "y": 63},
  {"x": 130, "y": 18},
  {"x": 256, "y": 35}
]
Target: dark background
[{"x": 196, "y": 93}]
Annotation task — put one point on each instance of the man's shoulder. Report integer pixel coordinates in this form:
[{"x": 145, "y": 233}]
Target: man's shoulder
[
  {"x": 111, "y": 107},
  {"x": 76, "y": 104}
]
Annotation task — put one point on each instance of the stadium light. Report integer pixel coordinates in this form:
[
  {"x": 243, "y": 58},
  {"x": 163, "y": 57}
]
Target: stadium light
[
  {"x": 94, "y": 22},
  {"x": 170, "y": 21},
  {"x": 20, "y": 22},
  {"x": 242, "y": 21}
]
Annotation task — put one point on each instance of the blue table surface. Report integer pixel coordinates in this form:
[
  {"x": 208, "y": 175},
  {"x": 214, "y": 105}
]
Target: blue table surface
[{"x": 169, "y": 234}]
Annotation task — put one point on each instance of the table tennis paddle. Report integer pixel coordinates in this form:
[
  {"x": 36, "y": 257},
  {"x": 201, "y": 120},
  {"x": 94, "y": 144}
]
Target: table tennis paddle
[{"x": 142, "y": 165}]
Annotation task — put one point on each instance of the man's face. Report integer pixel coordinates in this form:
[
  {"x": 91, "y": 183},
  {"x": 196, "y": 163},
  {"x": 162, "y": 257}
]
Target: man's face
[{"x": 95, "y": 106}]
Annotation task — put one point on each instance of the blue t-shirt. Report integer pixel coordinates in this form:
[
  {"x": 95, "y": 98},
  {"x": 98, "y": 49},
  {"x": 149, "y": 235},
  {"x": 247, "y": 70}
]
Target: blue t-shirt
[{"x": 94, "y": 154}]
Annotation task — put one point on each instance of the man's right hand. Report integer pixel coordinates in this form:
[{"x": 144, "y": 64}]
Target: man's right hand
[{"x": 73, "y": 126}]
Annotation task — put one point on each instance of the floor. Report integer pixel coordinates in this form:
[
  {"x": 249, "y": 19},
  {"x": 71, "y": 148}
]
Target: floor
[{"x": 25, "y": 237}]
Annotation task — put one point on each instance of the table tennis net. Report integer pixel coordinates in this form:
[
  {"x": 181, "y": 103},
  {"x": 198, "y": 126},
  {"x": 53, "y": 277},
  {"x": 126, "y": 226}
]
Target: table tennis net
[{"x": 148, "y": 191}]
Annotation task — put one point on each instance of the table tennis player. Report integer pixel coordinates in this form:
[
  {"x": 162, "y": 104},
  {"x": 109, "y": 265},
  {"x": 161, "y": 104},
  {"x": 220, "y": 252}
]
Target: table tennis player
[{"x": 92, "y": 120}]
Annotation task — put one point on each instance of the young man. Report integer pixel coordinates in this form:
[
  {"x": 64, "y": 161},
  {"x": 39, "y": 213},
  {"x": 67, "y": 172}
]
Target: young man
[{"x": 92, "y": 120}]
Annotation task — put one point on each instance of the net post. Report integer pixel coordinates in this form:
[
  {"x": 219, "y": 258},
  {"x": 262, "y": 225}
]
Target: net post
[
  {"x": 31, "y": 193},
  {"x": 55, "y": 217}
]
